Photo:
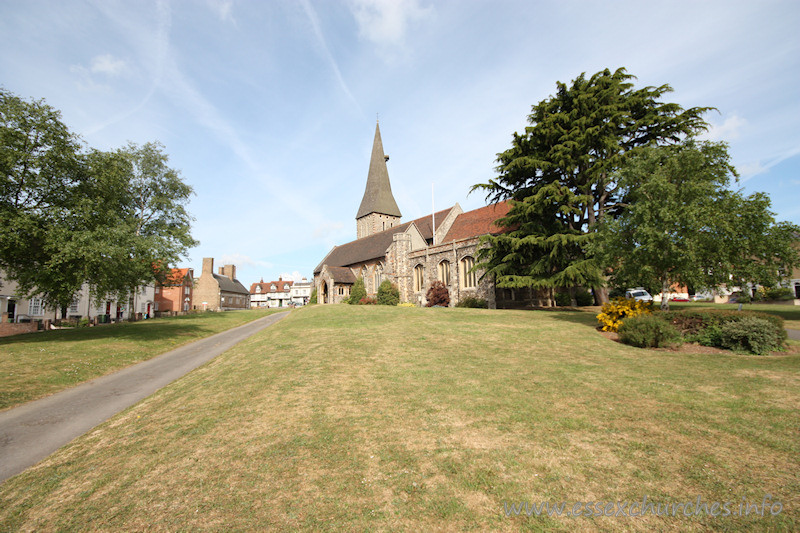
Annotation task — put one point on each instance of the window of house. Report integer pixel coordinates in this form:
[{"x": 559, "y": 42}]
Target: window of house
[
  {"x": 258, "y": 288},
  {"x": 158, "y": 290},
  {"x": 444, "y": 272},
  {"x": 378, "y": 276},
  {"x": 73, "y": 307},
  {"x": 36, "y": 307},
  {"x": 468, "y": 279},
  {"x": 155, "y": 306},
  {"x": 419, "y": 278}
]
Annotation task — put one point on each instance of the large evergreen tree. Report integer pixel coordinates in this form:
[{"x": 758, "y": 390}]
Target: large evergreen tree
[{"x": 559, "y": 175}]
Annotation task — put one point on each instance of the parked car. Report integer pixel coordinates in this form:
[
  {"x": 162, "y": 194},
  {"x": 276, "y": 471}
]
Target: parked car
[
  {"x": 639, "y": 294},
  {"x": 701, "y": 297}
]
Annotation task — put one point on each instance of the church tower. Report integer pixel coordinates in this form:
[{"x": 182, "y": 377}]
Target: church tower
[{"x": 378, "y": 210}]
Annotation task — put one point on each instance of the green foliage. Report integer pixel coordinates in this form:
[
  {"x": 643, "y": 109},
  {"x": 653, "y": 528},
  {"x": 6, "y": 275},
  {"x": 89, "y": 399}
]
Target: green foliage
[
  {"x": 649, "y": 331},
  {"x": 563, "y": 299},
  {"x": 751, "y": 334},
  {"x": 742, "y": 297},
  {"x": 313, "y": 298},
  {"x": 367, "y": 301},
  {"x": 583, "y": 297},
  {"x": 388, "y": 294},
  {"x": 617, "y": 310},
  {"x": 438, "y": 295},
  {"x": 473, "y": 302},
  {"x": 559, "y": 176},
  {"x": 113, "y": 220},
  {"x": 780, "y": 293},
  {"x": 357, "y": 292},
  {"x": 681, "y": 224},
  {"x": 711, "y": 327}
]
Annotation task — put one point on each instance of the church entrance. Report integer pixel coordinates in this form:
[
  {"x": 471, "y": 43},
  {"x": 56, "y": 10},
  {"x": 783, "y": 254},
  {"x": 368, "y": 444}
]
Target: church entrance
[{"x": 323, "y": 292}]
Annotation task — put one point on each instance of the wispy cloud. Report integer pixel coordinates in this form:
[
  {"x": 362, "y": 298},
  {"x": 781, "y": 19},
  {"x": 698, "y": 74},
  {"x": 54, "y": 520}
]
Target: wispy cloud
[
  {"x": 727, "y": 131},
  {"x": 223, "y": 9},
  {"x": 386, "y": 22},
  {"x": 313, "y": 18},
  {"x": 240, "y": 260},
  {"x": 753, "y": 169}
]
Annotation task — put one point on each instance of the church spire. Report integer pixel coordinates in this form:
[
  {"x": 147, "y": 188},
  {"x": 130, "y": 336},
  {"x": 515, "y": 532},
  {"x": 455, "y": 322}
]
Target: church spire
[{"x": 378, "y": 196}]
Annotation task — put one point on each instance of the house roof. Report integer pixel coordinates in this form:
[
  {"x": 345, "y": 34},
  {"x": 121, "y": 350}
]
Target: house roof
[
  {"x": 176, "y": 277},
  {"x": 230, "y": 285},
  {"x": 266, "y": 286},
  {"x": 375, "y": 245},
  {"x": 378, "y": 196},
  {"x": 477, "y": 222},
  {"x": 342, "y": 275}
]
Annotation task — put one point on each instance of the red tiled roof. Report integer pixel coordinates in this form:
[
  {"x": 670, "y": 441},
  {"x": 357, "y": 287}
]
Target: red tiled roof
[
  {"x": 176, "y": 277},
  {"x": 266, "y": 286},
  {"x": 477, "y": 222}
]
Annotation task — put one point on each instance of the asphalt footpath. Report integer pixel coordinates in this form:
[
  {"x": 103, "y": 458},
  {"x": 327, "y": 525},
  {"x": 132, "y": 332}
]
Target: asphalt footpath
[
  {"x": 34, "y": 430},
  {"x": 793, "y": 334}
]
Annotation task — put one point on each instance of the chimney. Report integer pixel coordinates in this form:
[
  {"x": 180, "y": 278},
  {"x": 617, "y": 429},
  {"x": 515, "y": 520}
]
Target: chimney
[
  {"x": 221, "y": 271},
  {"x": 229, "y": 271},
  {"x": 208, "y": 265}
]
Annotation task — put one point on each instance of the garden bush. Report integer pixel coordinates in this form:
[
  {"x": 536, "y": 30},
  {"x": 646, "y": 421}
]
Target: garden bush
[
  {"x": 473, "y": 302},
  {"x": 438, "y": 295},
  {"x": 751, "y": 334},
  {"x": 367, "y": 301},
  {"x": 388, "y": 294},
  {"x": 406, "y": 304},
  {"x": 583, "y": 297},
  {"x": 562, "y": 299},
  {"x": 779, "y": 293},
  {"x": 357, "y": 292},
  {"x": 313, "y": 298},
  {"x": 706, "y": 326},
  {"x": 614, "y": 312},
  {"x": 649, "y": 331}
]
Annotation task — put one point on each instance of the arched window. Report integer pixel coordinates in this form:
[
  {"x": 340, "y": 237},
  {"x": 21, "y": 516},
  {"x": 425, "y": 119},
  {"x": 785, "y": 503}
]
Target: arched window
[
  {"x": 419, "y": 278},
  {"x": 444, "y": 272},
  {"x": 378, "y": 277},
  {"x": 468, "y": 279}
]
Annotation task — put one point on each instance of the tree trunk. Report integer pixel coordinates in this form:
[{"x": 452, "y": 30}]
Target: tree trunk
[
  {"x": 664, "y": 291},
  {"x": 600, "y": 295},
  {"x": 572, "y": 300},
  {"x": 63, "y": 312}
]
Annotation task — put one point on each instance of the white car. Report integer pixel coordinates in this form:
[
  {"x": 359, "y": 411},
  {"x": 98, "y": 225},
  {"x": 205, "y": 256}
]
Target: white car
[{"x": 639, "y": 294}]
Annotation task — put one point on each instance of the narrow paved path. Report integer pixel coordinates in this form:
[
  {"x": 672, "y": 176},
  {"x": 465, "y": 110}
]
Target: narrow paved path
[
  {"x": 793, "y": 334},
  {"x": 34, "y": 430}
]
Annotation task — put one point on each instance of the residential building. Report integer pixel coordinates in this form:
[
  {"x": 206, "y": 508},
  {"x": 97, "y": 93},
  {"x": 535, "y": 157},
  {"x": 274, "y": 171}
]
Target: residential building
[
  {"x": 301, "y": 292},
  {"x": 271, "y": 293},
  {"x": 175, "y": 294},
  {"x": 221, "y": 291}
]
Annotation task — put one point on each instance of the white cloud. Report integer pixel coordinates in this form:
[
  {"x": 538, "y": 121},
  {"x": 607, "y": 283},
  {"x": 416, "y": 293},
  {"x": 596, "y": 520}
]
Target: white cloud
[
  {"x": 108, "y": 65},
  {"x": 241, "y": 260},
  {"x": 727, "y": 131},
  {"x": 752, "y": 169},
  {"x": 385, "y": 22},
  {"x": 326, "y": 230},
  {"x": 294, "y": 276},
  {"x": 222, "y": 8}
]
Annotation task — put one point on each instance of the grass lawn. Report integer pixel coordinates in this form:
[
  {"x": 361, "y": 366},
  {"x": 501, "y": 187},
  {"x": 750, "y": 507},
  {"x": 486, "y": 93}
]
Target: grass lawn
[
  {"x": 34, "y": 365},
  {"x": 790, "y": 313},
  {"x": 376, "y": 418}
]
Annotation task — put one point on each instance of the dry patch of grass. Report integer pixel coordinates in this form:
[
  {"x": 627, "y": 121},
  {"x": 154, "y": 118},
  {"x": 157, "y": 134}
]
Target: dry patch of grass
[
  {"x": 374, "y": 418},
  {"x": 37, "y": 364}
]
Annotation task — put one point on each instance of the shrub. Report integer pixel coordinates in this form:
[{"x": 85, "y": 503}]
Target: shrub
[
  {"x": 367, "y": 301},
  {"x": 473, "y": 302},
  {"x": 563, "y": 299},
  {"x": 649, "y": 331},
  {"x": 706, "y": 326},
  {"x": 779, "y": 293},
  {"x": 83, "y": 323},
  {"x": 614, "y": 312},
  {"x": 438, "y": 295},
  {"x": 751, "y": 334},
  {"x": 388, "y": 294},
  {"x": 583, "y": 297},
  {"x": 742, "y": 297},
  {"x": 406, "y": 304},
  {"x": 357, "y": 292}
]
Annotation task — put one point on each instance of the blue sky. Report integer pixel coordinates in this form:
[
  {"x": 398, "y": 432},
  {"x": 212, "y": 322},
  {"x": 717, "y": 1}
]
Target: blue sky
[{"x": 268, "y": 108}]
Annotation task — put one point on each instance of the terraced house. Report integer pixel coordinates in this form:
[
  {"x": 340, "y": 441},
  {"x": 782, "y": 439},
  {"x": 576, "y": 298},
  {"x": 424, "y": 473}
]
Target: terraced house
[{"x": 412, "y": 255}]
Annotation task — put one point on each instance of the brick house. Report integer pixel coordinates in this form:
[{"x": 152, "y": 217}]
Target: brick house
[
  {"x": 221, "y": 291},
  {"x": 176, "y": 293},
  {"x": 412, "y": 255}
]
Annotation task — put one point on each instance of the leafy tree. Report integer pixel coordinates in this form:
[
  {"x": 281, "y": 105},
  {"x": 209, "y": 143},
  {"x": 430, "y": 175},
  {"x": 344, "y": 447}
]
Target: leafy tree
[
  {"x": 313, "y": 298},
  {"x": 113, "y": 220},
  {"x": 559, "y": 175},
  {"x": 357, "y": 292},
  {"x": 388, "y": 294},
  {"x": 682, "y": 225}
]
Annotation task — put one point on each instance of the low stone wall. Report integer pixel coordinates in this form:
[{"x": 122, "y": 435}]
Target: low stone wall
[{"x": 7, "y": 329}]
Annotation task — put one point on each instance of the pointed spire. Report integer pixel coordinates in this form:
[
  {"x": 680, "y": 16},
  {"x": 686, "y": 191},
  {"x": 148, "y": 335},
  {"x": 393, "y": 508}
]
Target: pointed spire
[{"x": 378, "y": 196}]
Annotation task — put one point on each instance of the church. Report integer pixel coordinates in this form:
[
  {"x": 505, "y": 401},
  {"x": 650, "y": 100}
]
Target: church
[{"x": 412, "y": 255}]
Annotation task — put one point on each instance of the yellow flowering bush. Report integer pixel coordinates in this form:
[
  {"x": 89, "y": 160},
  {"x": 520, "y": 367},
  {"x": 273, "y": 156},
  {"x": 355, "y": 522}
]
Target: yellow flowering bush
[
  {"x": 614, "y": 312},
  {"x": 406, "y": 304}
]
